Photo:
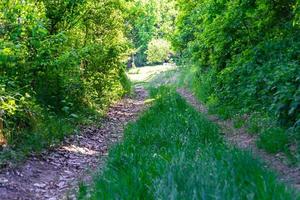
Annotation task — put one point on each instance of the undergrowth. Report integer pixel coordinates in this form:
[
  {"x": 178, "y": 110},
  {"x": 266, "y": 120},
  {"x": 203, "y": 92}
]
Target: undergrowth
[
  {"x": 173, "y": 152},
  {"x": 59, "y": 64},
  {"x": 271, "y": 136},
  {"x": 49, "y": 130}
]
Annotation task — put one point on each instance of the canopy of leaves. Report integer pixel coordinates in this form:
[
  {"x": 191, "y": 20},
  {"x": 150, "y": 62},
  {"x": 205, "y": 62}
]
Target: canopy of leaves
[{"x": 149, "y": 20}]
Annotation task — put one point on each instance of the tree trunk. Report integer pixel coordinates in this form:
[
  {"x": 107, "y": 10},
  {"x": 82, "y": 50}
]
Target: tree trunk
[{"x": 2, "y": 137}]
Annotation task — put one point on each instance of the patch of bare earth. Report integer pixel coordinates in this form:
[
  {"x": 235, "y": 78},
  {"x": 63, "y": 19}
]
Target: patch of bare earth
[
  {"x": 56, "y": 173},
  {"x": 246, "y": 141}
]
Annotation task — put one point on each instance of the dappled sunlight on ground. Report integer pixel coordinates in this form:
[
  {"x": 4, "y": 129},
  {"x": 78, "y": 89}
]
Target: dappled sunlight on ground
[
  {"x": 81, "y": 150},
  {"x": 57, "y": 171},
  {"x": 148, "y": 73}
]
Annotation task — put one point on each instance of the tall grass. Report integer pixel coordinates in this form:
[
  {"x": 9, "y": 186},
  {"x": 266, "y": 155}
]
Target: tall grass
[{"x": 173, "y": 152}]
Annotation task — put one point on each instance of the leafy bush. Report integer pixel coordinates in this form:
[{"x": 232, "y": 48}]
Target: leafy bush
[
  {"x": 159, "y": 51},
  {"x": 257, "y": 122},
  {"x": 146, "y": 21},
  {"x": 18, "y": 111},
  {"x": 247, "y": 52},
  {"x": 58, "y": 60}
]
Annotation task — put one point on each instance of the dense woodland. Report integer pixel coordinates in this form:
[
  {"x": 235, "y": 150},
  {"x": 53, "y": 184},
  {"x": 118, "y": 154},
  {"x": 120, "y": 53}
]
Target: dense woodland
[
  {"x": 59, "y": 60},
  {"x": 246, "y": 58},
  {"x": 152, "y": 24},
  {"x": 63, "y": 62}
]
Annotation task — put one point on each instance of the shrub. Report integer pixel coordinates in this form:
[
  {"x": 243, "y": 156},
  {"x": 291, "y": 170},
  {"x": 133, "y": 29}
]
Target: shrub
[
  {"x": 59, "y": 61},
  {"x": 247, "y": 54},
  {"x": 159, "y": 51}
]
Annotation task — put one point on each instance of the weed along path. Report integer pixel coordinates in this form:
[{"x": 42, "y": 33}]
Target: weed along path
[
  {"x": 56, "y": 173},
  {"x": 244, "y": 140}
]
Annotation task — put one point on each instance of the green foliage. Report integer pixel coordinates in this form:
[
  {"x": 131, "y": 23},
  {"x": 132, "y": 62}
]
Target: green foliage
[
  {"x": 158, "y": 51},
  {"x": 18, "y": 112},
  {"x": 59, "y": 59},
  {"x": 273, "y": 140},
  {"x": 180, "y": 155},
  {"x": 257, "y": 122},
  {"x": 247, "y": 55},
  {"x": 148, "y": 20}
]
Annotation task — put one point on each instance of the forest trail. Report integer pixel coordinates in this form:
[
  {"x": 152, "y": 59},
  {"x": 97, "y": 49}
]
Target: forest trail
[
  {"x": 63, "y": 63},
  {"x": 56, "y": 173},
  {"x": 239, "y": 137},
  {"x": 246, "y": 141}
]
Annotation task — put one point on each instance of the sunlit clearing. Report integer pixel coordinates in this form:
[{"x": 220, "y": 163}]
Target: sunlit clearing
[{"x": 146, "y": 74}]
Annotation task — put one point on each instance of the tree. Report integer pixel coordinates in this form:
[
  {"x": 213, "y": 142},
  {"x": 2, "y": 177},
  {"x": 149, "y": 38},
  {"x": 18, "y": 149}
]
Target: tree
[
  {"x": 246, "y": 53},
  {"x": 158, "y": 51},
  {"x": 59, "y": 58},
  {"x": 148, "y": 20}
]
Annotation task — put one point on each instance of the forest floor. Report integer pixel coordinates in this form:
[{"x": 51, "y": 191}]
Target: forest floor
[{"x": 56, "y": 173}]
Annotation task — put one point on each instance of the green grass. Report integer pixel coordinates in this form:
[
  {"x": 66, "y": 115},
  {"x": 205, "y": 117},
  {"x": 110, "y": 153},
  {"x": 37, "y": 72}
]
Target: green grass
[
  {"x": 273, "y": 140},
  {"x": 173, "y": 152}
]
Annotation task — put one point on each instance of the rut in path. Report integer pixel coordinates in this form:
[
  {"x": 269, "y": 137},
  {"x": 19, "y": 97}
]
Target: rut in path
[
  {"x": 55, "y": 174},
  {"x": 243, "y": 140}
]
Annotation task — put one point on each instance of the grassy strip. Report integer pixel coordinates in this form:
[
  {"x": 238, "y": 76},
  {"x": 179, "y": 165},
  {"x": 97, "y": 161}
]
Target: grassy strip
[{"x": 173, "y": 152}]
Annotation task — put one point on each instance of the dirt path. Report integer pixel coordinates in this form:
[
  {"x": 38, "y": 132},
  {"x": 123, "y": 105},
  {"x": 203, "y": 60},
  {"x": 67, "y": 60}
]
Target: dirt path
[
  {"x": 56, "y": 173},
  {"x": 243, "y": 140}
]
